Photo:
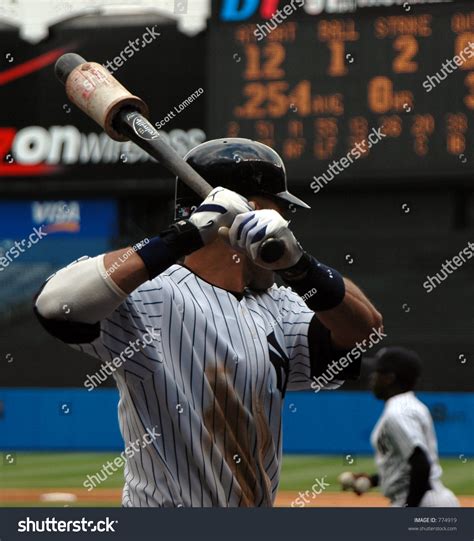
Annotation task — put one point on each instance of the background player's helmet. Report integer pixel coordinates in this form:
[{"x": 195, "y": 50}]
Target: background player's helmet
[
  {"x": 242, "y": 165},
  {"x": 404, "y": 363}
]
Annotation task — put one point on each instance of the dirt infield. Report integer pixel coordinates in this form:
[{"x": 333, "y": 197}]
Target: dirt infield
[
  {"x": 104, "y": 496},
  {"x": 348, "y": 499}
]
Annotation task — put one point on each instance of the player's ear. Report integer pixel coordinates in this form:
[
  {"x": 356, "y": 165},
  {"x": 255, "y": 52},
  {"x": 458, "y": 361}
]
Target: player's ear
[{"x": 255, "y": 204}]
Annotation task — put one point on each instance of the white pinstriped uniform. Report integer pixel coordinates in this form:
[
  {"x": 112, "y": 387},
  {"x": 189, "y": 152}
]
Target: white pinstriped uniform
[
  {"x": 212, "y": 384},
  {"x": 406, "y": 423}
]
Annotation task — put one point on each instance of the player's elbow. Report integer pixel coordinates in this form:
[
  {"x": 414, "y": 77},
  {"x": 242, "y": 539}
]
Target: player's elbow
[
  {"x": 370, "y": 328},
  {"x": 376, "y": 320},
  {"x": 46, "y": 304},
  {"x": 53, "y": 317}
]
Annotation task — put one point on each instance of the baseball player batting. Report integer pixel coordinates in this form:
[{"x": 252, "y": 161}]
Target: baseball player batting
[
  {"x": 404, "y": 440},
  {"x": 227, "y": 342}
]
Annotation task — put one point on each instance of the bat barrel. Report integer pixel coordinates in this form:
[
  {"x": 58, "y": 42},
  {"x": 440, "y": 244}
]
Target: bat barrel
[
  {"x": 123, "y": 116},
  {"x": 96, "y": 91}
]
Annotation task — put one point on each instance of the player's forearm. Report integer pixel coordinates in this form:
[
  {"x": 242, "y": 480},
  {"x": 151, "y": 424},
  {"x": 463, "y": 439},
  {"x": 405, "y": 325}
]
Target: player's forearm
[
  {"x": 94, "y": 288},
  {"x": 82, "y": 292},
  {"x": 90, "y": 290},
  {"x": 341, "y": 306},
  {"x": 353, "y": 320},
  {"x": 126, "y": 268},
  {"x": 131, "y": 267}
]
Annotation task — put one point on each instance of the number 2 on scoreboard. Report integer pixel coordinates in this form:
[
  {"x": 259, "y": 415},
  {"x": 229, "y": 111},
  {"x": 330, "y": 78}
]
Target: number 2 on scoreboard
[{"x": 407, "y": 47}]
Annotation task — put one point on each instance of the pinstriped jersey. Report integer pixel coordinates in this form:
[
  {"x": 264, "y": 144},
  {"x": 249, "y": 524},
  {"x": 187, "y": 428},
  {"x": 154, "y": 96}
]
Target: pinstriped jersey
[
  {"x": 405, "y": 423},
  {"x": 211, "y": 382}
]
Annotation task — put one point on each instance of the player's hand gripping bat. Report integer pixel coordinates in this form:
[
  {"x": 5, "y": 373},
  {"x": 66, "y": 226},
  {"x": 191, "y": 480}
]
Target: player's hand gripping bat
[{"x": 124, "y": 117}]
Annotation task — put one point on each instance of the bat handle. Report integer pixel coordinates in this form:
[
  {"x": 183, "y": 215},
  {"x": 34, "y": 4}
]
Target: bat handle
[{"x": 271, "y": 250}]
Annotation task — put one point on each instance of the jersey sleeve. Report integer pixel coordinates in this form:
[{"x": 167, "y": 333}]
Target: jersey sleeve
[
  {"x": 404, "y": 433},
  {"x": 130, "y": 336},
  {"x": 304, "y": 361}
]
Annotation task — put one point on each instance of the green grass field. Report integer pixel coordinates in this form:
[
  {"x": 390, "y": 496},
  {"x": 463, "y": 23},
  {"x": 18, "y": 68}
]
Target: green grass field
[
  {"x": 59, "y": 470},
  {"x": 299, "y": 471}
]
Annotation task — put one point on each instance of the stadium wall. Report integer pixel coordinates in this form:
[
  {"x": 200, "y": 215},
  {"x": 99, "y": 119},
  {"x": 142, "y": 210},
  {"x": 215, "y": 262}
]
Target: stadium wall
[{"x": 330, "y": 423}]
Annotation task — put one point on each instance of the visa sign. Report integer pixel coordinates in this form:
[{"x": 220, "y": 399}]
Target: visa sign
[
  {"x": 57, "y": 216},
  {"x": 241, "y": 10}
]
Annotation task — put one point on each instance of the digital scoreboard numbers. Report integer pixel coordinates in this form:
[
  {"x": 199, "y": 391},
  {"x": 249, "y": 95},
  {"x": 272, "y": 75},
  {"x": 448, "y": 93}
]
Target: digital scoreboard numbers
[{"x": 315, "y": 89}]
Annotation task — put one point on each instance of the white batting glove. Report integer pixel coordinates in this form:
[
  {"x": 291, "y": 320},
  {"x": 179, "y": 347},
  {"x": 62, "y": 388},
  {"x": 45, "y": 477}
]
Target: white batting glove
[
  {"x": 250, "y": 230},
  {"x": 219, "y": 209}
]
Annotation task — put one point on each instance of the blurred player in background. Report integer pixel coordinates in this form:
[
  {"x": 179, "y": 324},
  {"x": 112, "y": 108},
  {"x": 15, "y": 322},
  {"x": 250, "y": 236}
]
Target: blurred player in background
[{"x": 404, "y": 440}]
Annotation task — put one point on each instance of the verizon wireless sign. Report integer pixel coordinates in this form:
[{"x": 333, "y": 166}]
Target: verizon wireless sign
[
  {"x": 35, "y": 150},
  {"x": 43, "y": 135}
]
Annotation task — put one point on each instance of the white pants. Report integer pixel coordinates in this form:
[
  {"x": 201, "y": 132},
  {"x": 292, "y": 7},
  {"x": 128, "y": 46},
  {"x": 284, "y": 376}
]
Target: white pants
[{"x": 438, "y": 496}]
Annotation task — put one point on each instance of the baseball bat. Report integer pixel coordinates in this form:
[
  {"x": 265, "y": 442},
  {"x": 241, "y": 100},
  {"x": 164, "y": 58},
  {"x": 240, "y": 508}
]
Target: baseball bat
[{"x": 124, "y": 117}]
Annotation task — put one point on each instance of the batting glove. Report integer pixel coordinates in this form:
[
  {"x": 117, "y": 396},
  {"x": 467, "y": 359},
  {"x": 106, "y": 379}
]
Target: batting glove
[
  {"x": 250, "y": 230},
  {"x": 219, "y": 209}
]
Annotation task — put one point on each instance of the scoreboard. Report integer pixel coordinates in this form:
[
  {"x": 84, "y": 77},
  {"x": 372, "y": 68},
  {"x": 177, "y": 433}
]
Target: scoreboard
[{"x": 316, "y": 87}]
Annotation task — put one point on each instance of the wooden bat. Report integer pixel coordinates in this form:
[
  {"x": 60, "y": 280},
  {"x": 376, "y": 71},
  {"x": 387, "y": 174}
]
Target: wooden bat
[{"x": 123, "y": 117}]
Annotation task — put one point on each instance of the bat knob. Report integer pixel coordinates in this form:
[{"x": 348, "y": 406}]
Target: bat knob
[
  {"x": 65, "y": 64},
  {"x": 271, "y": 250}
]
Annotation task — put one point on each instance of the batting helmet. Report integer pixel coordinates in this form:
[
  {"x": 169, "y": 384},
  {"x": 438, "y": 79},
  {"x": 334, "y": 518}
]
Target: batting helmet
[{"x": 242, "y": 165}]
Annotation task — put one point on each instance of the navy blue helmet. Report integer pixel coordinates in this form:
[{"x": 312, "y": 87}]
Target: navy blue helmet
[{"x": 242, "y": 165}]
